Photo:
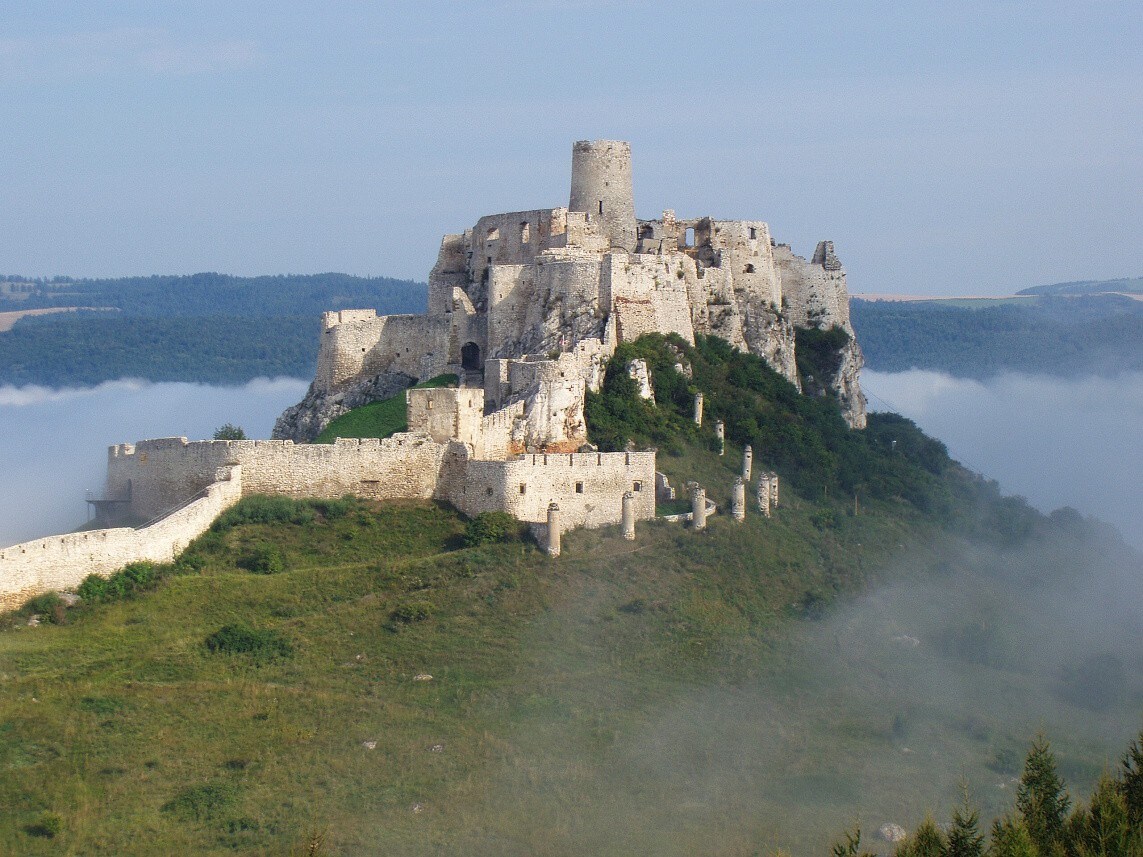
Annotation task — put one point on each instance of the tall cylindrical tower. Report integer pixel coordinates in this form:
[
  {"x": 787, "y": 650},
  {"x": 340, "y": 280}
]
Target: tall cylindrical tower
[{"x": 601, "y": 187}]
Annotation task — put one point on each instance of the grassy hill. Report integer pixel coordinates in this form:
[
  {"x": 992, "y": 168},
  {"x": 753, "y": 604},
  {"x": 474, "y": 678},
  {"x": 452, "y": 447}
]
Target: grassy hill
[
  {"x": 378, "y": 419},
  {"x": 725, "y": 692}
]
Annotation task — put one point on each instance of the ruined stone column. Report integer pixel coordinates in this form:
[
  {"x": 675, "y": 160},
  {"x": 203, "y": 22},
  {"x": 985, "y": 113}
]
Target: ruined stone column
[
  {"x": 747, "y": 462},
  {"x": 629, "y": 516},
  {"x": 698, "y": 409},
  {"x": 553, "y": 546},
  {"x": 720, "y": 433},
  {"x": 738, "y": 500},
  {"x": 698, "y": 507},
  {"x": 764, "y": 494}
]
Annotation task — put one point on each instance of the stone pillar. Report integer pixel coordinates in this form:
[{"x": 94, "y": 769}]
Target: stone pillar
[
  {"x": 747, "y": 462},
  {"x": 553, "y": 546},
  {"x": 720, "y": 433},
  {"x": 764, "y": 494},
  {"x": 738, "y": 500},
  {"x": 698, "y": 409},
  {"x": 698, "y": 508},
  {"x": 629, "y": 516}
]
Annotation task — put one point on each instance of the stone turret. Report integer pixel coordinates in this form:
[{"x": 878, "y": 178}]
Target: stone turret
[{"x": 601, "y": 187}]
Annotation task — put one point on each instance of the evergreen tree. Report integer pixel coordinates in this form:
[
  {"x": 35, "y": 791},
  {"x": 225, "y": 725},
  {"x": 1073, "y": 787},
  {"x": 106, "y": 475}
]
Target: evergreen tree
[
  {"x": 851, "y": 847},
  {"x": 1103, "y": 828},
  {"x": 1042, "y": 798},
  {"x": 1010, "y": 839},
  {"x": 964, "y": 837},
  {"x": 1131, "y": 781},
  {"x": 229, "y": 432},
  {"x": 927, "y": 841}
]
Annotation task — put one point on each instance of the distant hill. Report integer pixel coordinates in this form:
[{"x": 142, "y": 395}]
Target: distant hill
[
  {"x": 207, "y": 327},
  {"x": 1128, "y": 286},
  {"x": 1065, "y": 334}
]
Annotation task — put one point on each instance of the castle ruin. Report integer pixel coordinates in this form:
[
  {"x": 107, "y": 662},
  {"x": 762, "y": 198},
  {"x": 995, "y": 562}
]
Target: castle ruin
[{"x": 525, "y": 308}]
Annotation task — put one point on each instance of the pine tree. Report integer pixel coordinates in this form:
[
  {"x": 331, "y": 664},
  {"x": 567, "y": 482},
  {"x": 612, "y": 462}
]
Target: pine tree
[
  {"x": 1131, "y": 781},
  {"x": 964, "y": 837},
  {"x": 927, "y": 841},
  {"x": 1042, "y": 798},
  {"x": 1103, "y": 828},
  {"x": 1010, "y": 839}
]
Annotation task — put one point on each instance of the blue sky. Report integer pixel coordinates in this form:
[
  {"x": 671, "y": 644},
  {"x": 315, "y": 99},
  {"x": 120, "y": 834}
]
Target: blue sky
[{"x": 944, "y": 147}]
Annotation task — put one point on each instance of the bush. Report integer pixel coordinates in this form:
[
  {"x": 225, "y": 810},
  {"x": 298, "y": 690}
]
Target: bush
[
  {"x": 50, "y": 606},
  {"x": 49, "y": 825},
  {"x": 124, "y": 583},
  {"x": 490, "y": 528},
  {"x": 417, "y": 611},
  {"x": 261, "y": 509},
  {"x": 239, "y": 639},
  {"x": 227, "y": 431},
  {"x": 263, "y": 559}
]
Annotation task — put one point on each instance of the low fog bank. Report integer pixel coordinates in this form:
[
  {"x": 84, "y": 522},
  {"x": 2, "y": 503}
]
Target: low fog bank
[
  {"x": 53, "y": 443},
  {"x": 871, "y": 714},
  {"x": 1057, "y": 442}
]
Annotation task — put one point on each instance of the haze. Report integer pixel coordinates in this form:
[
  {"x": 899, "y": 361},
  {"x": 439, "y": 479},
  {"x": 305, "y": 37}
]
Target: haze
[{"x": 946, "y": 148}]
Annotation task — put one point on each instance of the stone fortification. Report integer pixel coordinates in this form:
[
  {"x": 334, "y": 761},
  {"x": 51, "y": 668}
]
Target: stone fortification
[
  {"x": 62, "y": 562},
  {"x": 542, "y": 282}
]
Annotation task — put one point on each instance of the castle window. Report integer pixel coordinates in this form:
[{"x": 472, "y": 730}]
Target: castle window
[
  {"x": 430, "y": 404},
  {"x": 493, "y": 234},
  {"x": 488, "y": 491},
  {"x": 636, "y": 486},
  {"x": 750, "y": 269},
  {"x": 579, "y": 488},
  {"x": 753, "y": 233},
  {"x": 523, "y": 488},
  {"x": 601, "y": 206},
  {"x": 689, "y": 237},
  {"x": 525, "y": 232}
]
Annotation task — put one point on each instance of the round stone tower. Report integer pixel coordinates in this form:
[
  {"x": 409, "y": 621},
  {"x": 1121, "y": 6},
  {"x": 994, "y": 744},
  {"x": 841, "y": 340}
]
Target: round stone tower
[{"x": 601, "y": 187}]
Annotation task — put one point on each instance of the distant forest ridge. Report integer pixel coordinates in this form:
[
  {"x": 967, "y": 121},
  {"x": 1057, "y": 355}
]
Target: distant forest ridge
[
  {"x": 1058, "y": 333},
  {"x": 210, "y": 294},
  {"x": 1127, "y": 286},
  {"x": 211, "y": 328}
]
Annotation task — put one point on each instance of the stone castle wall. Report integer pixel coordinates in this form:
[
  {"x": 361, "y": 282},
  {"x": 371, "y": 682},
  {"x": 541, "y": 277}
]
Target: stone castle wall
[
  {"x": 360, "y": 342},
  {"x": 158, "y": 474},
  {"x": 62, "y": 562},
  {"x": 588, "y": 486}
]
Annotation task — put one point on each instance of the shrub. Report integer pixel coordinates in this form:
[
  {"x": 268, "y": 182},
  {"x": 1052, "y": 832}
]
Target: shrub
[
  {"x": 261, "y": 509},
  {"x": 122, "y": 584},
  {"x": 50, "y": 606},
  {"x": 227, "y": 431},
  {"x": 49, "y": 825},
  {"x": 263, "y": 559},
  {"x": 490, "y": 528},
  {"x": 239, "y": 639},
  {"x": 416, "y": 611}
]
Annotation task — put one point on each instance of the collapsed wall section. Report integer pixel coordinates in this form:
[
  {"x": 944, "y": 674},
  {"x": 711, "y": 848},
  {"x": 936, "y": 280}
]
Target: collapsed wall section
[{"x": 62, "y": 562}]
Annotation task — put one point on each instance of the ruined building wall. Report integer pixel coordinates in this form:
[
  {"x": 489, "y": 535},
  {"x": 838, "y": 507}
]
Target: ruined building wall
[
  {"x": 360, "y": 342},
  {"x": 525, "y": 486}
]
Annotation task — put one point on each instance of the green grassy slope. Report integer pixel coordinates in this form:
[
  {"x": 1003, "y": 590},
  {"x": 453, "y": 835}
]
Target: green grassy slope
[
  {"x": 685, "y": 693},
  {"x": 378, "y": 419}
]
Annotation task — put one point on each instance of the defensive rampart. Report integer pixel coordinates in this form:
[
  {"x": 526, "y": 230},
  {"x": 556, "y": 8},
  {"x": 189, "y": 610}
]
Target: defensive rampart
[{"x": 62, "y": 562}]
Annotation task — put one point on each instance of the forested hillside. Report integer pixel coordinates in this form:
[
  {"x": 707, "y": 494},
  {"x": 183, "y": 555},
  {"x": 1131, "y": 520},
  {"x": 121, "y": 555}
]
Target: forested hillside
[
  {"x": 1064, "y": 336},
  {"x": 209, "y": 327}
]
